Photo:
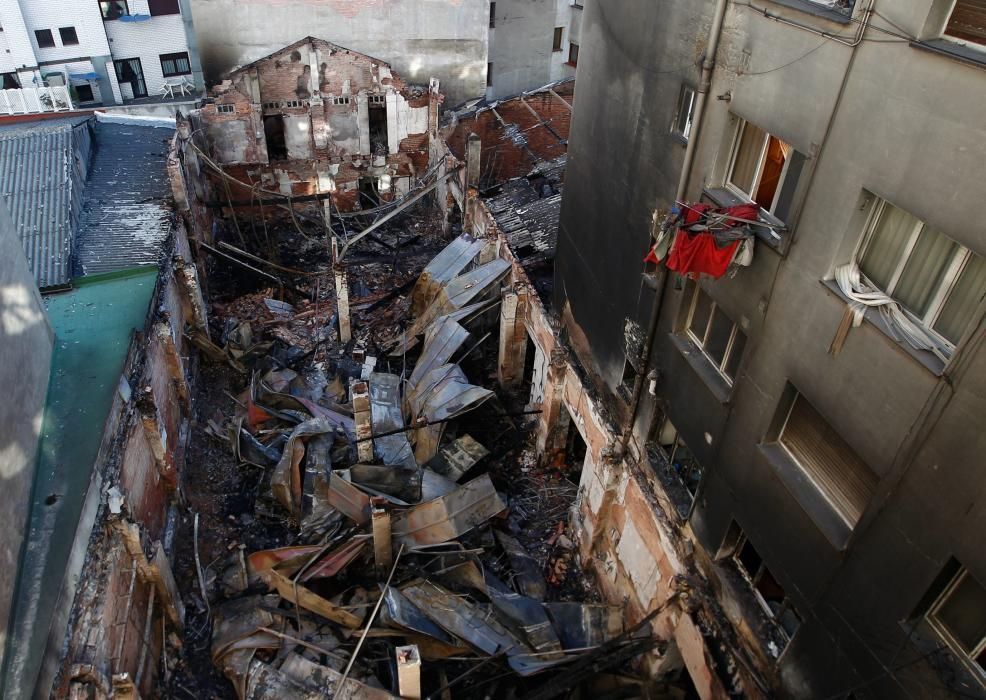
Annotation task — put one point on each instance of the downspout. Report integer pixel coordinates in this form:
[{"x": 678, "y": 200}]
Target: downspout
[{"x": 708, "y": 66}]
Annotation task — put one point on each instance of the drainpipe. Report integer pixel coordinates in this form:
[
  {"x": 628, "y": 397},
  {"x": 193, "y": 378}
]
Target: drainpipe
[{"x": 708, "y": 65}]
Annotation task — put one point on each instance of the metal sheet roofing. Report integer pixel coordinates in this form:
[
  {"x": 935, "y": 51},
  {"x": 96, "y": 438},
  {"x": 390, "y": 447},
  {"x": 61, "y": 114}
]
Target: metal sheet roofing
[{"x": 42, "y": 175}]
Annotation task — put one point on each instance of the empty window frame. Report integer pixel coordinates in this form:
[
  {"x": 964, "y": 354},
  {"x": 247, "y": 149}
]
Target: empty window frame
[
  {"x": 831, "y": 466},
  {"x": 682, "y": 125},
  {"x": 378, "y": 99},
  {"x": 9, "y": 81},
  {"x": 489, "y": 74},
  {"x": 759, "y": 166},
  {"x": 492, "y": 15},
  {"x": 163, "y": 7},
  {"x": 768, "y": 592},
  {"x": 84, "y": 93},
  {"x": 967, "y": 22},
  {"x": 573, "y": 53},
  {"x": 557, "y": 39},
  {"x": 173, "y": 64},
  {"x": 113, "y": 9},
  {"x": 44, "y": 38},
  {"x": 226, "y": 109},
  {"x": 940, "y": 282},
  {"x": 720, "y": 340},
  {"x": 340, "y": 101},
  {"x": 959, "y": 615},
  {"x": 682, "y": 461},
  {"x": 68, "y": 36}
]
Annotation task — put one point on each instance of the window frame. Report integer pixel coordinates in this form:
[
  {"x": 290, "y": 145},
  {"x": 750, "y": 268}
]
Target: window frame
[
  {"x": 661, "y": 421},
  {"x": 38, "y": 33},
  {"x": 558, "y": 40},
  {"x": 962, "y": 41},
  {"x": 573, "y": 45},
  {"x": 61, "y": 36},
  {"x": 102, "y": 13},
  {"x": 700, "y": 342},
  {"x": 86, "y": 86},
  {"x": 225, "y": 109},
  {"x": 174, "y": 57},
  {"x": 758, "y": 170},
  {"x": 170, "y": 12},
  {"x": 955, "y": 269},
  {"x": 493, "y": 15},
  {"x": 942, "y": 628},
  {"x": 684, "y": 131}
]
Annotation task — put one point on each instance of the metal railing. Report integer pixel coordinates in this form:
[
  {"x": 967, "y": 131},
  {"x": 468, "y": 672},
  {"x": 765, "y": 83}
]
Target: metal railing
[{"x": 35, "y": 100}]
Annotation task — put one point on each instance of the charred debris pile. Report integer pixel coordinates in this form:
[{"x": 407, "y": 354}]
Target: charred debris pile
[{"x": 374, "y": 520}]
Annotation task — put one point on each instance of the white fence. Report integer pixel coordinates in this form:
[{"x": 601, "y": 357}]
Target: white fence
[{"x": 34, "y": 100}]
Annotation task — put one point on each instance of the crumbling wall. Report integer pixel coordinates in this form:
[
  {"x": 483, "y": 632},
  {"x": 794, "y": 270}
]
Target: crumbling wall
[{"x": 125, "y": 604}]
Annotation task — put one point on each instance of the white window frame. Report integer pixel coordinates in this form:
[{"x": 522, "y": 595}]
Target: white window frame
[
  {"x": 952, "y": 274},
  {"x": 758, "y": 172},
  {"x": 686, "y": 93},
  {"x": 981, "y": 46},
  {"x": 942, "y": 628},
  {"x": 700, "y": 342},
  {"x": 225, "y": 109}
]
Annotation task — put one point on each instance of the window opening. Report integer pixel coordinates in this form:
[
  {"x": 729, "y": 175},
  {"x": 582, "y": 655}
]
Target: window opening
[
  {"x": 967, "y": 22},
  {"x": 721, "y": 341},
  {"x": 130, "y": 72},
  {"x": 340, "y": 101},
  {"x": 575, "y": 447},
  {"x": 45, "y": 38},
  {"x": 175, "y": 64},
  {"x": 683, "y": 464},
  {"x": 113, "y": 9},
  {"x": 378, "y": 126},
  {"x": 940, "y": 282},
  {"x": 492, "y": 15},
  {"x": 163, "y": 7},
  {"x": 227, "y": 109},
  {"x": 68, "y": 35},
  {"x": 683, "y": 116},
  {"x": 274, "y": 134},
  {"x": 573, "y": 53},
  {"x": 84, "y": 93},
  {"x": 369, "y": 192},
  {"x": 10, "y": 81},
  {"x": 959, "y": 614},
  {"x": 759, "y": 166},
  {"x": 556, "y": 41}
]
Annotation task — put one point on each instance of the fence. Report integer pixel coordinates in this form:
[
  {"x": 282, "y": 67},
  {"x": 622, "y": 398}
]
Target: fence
[{"x": 36, "y": 99}]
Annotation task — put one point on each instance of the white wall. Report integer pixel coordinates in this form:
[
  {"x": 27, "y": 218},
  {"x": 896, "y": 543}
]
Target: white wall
[
  {"x": 147, "y": 40},
  {"x": 52, "y": 14},
  {"x": 15, "y": 38}
]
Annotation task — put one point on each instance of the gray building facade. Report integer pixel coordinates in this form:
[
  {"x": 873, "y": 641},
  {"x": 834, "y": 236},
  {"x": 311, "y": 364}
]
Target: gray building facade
[{"x": 824, "y": 457}]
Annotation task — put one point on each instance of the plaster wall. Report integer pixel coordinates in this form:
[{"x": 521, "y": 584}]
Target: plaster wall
[{"x": 521, "y": 49}]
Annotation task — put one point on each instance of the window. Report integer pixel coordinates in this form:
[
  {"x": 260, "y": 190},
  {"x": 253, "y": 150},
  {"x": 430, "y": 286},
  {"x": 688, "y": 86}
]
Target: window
[
  {"x": 556, "y": 41},
  {"x": 489, "y": 74},
  {"x": 940, "y": 282},
  {"x": 68, "y": 35},
  {"x": 175, "y": 64},
  {"x": 113, "y": 9},
  {"x": 378, "y": 99},
  {"x": 163, "y": 7},
  {"x": 340, "y": 101},
  {"x": 83, "y": 93},
  {"x": 967, "y": 22},
  {"x": 44, "y": 37},
  {"x": 759, "y": 166},
  {"x": 226, "y": 109},
  {"x": 573, "y": 53},
  {"x": 831, "y": 466},
  {"x": 768, "y": 592},
  {"x": 683, "y": 463},
  {"x": 959, "y": 614},
  {"x": 719, "y": 339},
  {"x": 682, "y": 125},
  {"x": 492, "y": 15},
  {"x": 10, "y": 81}
]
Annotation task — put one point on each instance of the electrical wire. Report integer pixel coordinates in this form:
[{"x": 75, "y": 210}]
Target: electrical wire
[{"x": 789, "y": 63}]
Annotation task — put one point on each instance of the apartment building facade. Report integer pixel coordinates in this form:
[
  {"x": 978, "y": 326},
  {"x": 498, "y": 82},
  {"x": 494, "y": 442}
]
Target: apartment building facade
[
  {"x": 532, "y": 43},
  {"x": 106, "y": 51},
  {"x": 807, "y": 429}
]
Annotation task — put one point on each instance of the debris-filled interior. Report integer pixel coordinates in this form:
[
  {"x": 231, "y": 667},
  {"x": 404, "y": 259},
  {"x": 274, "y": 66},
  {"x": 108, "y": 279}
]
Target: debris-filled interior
[{"x": 369, "y": 518}]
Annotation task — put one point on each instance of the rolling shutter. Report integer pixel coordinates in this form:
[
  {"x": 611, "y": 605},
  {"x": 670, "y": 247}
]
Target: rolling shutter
[{"x": 847, "y": 483}]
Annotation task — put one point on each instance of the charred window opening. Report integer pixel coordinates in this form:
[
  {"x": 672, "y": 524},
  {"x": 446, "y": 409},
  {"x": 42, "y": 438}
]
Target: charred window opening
[
  {"x": 378, "y": 128},
  {"x": 274, "y": 133},
  {"x": 575, "y": 447},
  {"x": 674, "y": 464},
  {"x": 369, "y": 192}
]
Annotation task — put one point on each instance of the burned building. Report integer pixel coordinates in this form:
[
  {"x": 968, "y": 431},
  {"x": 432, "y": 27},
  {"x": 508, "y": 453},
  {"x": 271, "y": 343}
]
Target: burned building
[{"x": 316, "y": 119}]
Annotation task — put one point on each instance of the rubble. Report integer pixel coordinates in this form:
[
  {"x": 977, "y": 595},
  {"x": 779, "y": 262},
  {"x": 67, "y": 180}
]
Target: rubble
[{"x": 401, "y": 554}]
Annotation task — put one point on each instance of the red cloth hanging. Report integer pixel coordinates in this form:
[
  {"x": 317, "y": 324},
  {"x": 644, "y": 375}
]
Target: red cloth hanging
[{"x": 699, "y": 254}]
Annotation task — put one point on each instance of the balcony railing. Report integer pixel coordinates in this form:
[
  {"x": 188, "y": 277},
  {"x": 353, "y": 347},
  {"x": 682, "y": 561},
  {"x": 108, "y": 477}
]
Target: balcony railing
[{"x": 36, "y": 100}]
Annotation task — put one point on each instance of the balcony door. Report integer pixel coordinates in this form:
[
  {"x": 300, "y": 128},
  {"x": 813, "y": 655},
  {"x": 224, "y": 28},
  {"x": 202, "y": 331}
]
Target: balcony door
[{"x": 130, "y": 73}]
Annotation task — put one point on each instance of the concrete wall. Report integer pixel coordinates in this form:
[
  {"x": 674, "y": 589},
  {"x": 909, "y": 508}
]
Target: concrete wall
[
  {"x": 521, "y": 45},
  {"x": 27, "y": 341},
  {"x": 442, "y": 38},
  {"x": 147, "y": 40},
  {"x": 905, "y": 128}
]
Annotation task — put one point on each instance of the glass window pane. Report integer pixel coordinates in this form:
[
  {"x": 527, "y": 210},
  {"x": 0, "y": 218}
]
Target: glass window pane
[
  {"x": 773, "y": 168},
  {"x": 963, "y": 300},
  {"x": 886, "y": 245},
  {"x": 735, "y": 354},
  {"x": 719, "y": 332},
  {"x": 748, "y": 157},
  {"x": 925, "y": 270},
  {"x": 700, "y": 315},
  {"x": 964, "y": 613}
]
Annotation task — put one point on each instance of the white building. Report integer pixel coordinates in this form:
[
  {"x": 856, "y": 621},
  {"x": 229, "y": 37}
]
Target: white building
[{"x": 106, "y": 51}]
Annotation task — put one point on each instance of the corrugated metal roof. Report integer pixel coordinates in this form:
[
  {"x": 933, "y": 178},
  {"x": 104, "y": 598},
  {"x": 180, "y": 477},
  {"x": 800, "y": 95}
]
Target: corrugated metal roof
[
  {"x": 126, "y": 216},
  {"x": 43, "y": 190}
]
